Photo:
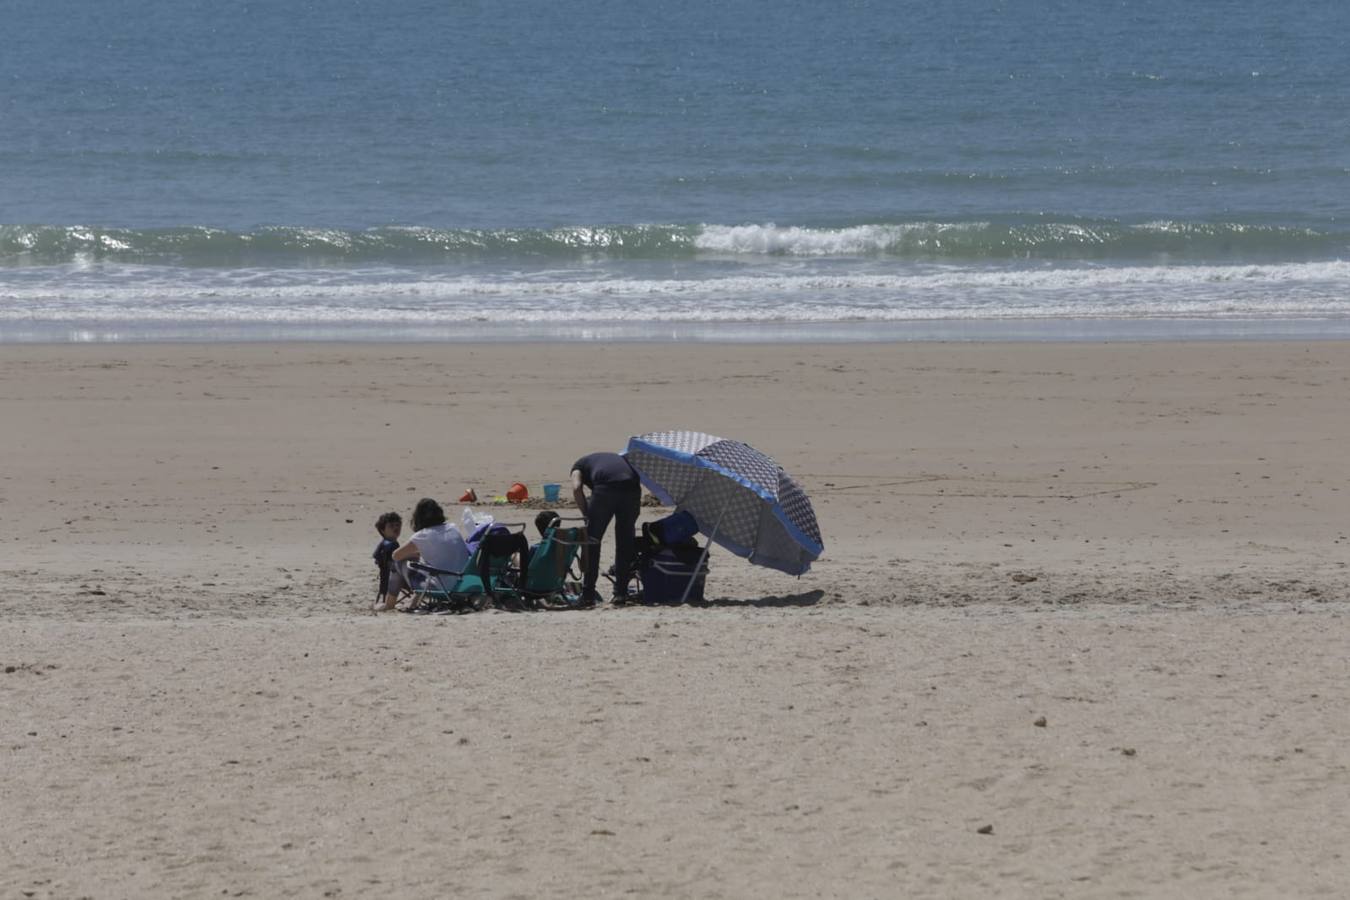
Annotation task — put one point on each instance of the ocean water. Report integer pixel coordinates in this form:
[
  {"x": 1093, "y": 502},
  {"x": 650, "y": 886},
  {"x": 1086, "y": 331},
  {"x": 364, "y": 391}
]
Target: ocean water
[{"x": 652, "y": 170}]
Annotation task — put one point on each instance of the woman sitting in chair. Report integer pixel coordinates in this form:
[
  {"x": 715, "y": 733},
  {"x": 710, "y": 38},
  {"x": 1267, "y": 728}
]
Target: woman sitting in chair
[{"x": 434, "y": 541}]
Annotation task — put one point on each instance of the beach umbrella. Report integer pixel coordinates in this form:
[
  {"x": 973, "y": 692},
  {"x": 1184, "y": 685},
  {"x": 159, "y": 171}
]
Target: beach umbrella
[{"x": 741, "y": 498}]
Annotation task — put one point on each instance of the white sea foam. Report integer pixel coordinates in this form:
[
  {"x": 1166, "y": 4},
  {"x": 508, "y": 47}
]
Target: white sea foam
[
  {"x": 791, "y": 241},
  {"x": 776, "y": 293}
]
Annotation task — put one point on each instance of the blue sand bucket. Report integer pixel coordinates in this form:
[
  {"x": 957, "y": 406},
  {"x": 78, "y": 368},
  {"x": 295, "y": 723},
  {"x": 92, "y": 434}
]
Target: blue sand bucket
[{"x": 551, "y": 492}]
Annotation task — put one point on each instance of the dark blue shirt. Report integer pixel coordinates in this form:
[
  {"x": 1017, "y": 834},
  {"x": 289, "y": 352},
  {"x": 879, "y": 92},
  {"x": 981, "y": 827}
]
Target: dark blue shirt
[
  {"x": 384, "y": 556},
  {"x": 606, "y": 470}
]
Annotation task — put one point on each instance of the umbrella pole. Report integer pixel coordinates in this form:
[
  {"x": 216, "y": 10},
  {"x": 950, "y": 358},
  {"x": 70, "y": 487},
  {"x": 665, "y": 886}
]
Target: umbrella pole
[{"x": 703, "y": 557}]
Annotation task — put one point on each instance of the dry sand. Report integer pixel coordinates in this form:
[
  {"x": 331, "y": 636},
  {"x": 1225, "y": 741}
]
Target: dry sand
[{"x": 1148, "y": 545}]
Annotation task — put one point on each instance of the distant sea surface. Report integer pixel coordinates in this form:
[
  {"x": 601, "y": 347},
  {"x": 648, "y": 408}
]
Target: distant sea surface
[{"x": 654, "y": 170}]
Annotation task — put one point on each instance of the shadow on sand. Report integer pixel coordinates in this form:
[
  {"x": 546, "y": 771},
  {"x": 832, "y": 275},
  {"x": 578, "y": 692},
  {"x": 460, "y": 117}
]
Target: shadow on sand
[
  {"x": 810, "y": 598},
  {"x": 773, "y": 601}
]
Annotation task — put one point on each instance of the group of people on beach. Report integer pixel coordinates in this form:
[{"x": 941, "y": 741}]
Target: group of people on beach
[{"x": 615, "y": 496}]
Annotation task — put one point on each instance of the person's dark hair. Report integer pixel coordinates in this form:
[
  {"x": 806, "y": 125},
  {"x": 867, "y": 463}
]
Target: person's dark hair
[
  {"x": 544, "y": 521},
  {"x": 389, "y": 518},
  {"x": 427, "y": 514}
]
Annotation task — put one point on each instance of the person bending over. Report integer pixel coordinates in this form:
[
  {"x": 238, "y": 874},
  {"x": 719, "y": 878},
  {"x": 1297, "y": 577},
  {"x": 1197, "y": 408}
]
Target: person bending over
[{"x": 616, "y": 493}]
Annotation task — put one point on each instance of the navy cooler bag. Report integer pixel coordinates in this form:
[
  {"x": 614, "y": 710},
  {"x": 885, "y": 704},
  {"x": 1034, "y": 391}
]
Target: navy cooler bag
[{"x": 665, "y": 574}]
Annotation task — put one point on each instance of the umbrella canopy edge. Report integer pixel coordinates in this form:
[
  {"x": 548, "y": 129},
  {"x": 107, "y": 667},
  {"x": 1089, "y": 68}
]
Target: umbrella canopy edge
[
  {"x": 807, "y": 542},
  {"x": 701, "y": 462}
]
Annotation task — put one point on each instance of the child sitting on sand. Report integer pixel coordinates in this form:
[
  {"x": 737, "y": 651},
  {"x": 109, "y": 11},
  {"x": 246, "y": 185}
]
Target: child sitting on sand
[{"x": 390, "y": 526}]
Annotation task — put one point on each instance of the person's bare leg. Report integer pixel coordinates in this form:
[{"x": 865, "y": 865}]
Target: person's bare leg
[{"x": 398, "y": 588}]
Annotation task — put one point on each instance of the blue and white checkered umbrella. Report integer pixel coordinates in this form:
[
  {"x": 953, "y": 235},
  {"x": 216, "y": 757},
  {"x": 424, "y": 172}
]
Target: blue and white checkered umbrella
[{"x": 740, "y": 497}]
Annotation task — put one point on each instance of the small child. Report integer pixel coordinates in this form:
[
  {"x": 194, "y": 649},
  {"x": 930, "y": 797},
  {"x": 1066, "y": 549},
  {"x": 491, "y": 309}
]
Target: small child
[
  {"x": 390, "y": 526},
  {"x": 546, "y": 520}
]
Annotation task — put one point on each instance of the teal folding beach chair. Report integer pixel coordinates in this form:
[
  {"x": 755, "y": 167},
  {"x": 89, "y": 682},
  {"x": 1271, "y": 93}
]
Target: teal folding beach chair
[
  {"x": 488, "y": 575},
  {"x": 549, "y": 579}
]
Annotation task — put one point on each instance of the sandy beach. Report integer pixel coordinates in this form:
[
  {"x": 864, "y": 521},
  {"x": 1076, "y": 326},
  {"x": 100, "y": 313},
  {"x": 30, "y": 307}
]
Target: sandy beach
[{"x": 1144, "y": 547}]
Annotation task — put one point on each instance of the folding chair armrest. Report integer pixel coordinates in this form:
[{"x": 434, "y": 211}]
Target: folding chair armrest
[
  {"x": 432, "y": 570},
  {"x": 588, "y": 542}
]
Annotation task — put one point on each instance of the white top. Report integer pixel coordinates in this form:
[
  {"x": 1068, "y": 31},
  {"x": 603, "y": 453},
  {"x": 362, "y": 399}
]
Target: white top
[{"x": 441, "y": 546}]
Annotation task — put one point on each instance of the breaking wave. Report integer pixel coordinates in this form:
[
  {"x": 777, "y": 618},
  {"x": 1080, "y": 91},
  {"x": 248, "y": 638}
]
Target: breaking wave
[{"x": 305, "y": 246}]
